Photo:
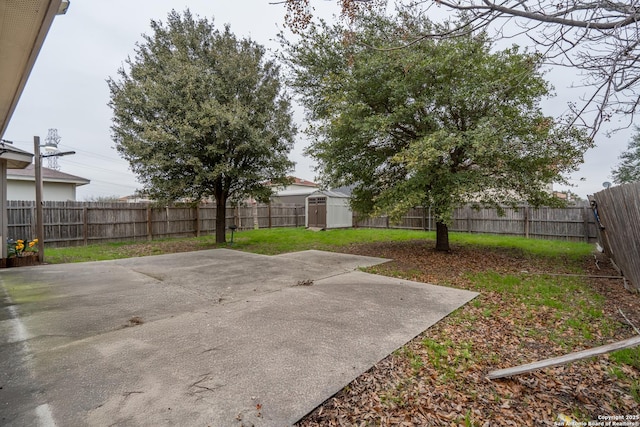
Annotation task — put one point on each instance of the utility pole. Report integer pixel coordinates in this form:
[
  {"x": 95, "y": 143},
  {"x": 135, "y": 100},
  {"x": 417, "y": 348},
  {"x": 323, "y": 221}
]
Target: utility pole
[
  {"x": 51, "y": 147},
  {"x": 39, "y": 211}
]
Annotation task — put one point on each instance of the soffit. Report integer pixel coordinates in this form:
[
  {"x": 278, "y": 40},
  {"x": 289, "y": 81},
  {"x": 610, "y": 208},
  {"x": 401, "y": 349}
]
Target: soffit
[{"x": 23, "y": 27}]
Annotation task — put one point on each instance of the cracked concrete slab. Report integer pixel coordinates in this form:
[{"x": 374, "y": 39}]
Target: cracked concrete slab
[{"x": 215, "y": 337}]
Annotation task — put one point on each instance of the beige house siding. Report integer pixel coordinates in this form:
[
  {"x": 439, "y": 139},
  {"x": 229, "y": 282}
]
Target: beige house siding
[
  {"x": 294, "y": 193},
  {"x": 51, "y": 191},
  {"x": 56, "y": 186}
]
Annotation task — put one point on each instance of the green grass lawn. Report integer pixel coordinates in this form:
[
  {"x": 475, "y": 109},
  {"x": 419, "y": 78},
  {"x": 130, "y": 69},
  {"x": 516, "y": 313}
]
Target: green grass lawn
[{"x": 280, "y": 240}]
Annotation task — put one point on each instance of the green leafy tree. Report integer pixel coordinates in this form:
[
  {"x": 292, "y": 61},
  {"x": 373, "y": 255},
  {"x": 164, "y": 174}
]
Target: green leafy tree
[
  {"x": 628, "y": 170},
  {"x": 597, "y": 38},
  {"x": 198, "y": 113},
  {"x": 438, "y": 123}
]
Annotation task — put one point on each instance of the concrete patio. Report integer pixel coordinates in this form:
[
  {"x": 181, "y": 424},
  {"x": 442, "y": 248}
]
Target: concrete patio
[{"x": 217, "y": 337}]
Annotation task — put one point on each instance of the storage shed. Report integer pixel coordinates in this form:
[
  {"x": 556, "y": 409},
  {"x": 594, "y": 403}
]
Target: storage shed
[{"x": 328, "y": 209}]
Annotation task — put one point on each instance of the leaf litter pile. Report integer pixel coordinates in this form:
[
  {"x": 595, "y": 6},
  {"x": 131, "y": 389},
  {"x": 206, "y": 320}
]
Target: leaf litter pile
[{"x": 530, "y": 308}]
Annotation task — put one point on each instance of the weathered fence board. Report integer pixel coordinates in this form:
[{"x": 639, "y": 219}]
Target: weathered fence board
[
  {"x": 619, "y": 211},
  {"x": 109, "y": 223}
]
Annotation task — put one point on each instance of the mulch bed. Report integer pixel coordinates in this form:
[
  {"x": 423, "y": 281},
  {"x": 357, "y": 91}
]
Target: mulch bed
[{"x": 439, "y": 378}]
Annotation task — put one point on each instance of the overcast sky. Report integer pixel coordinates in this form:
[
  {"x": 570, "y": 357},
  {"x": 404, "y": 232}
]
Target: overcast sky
[{"x": 67, "y": 89}]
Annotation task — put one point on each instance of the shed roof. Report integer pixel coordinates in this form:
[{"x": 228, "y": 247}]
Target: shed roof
[
  {"x": 347, "y": 189},
  {"x": 299, "y": 192},
  {"x": 330, "y": 193}
]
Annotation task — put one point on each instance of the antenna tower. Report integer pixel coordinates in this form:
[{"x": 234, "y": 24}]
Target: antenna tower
[{"x": 52, "y": 140}]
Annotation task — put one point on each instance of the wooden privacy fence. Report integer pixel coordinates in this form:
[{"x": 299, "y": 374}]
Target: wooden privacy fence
[
  {"x": 82, "y": 223},
  {"x": 573, "y": 223},
  {"x": 619, "y": 213}
]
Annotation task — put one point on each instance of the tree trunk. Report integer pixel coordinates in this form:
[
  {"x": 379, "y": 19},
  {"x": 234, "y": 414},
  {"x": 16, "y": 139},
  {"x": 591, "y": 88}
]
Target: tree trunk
[
  {"x": 221, "y": 217},
  {"x": 442, "y": 237}
]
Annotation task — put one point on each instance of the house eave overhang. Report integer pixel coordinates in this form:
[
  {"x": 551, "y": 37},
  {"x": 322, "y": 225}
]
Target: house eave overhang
[
  {"x": 15, "y": 158},
  {"x": 25, "y": 27}
]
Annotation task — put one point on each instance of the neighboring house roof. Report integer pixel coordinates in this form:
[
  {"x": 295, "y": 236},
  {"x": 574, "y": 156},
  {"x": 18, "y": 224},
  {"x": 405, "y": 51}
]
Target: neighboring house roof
[
  {"x": 48, "y": 175},
  {"x": 303, "y": 182},
  {"x": 298, "y": 187}
]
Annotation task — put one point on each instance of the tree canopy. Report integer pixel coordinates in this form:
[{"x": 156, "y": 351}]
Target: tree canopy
[
  {"x": 598, "y": 38},
  {"x": 438, "y": 123},
  {"x": 628, "y": 170},
  {"x": 199, "y": 112}
]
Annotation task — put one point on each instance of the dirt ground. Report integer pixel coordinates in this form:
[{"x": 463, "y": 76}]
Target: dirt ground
[{"x": 440, "y": 377}]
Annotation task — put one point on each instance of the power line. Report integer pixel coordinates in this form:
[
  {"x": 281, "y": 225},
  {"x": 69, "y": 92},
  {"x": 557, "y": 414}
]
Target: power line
[
  {"x": 113, "y": 184},
  {"x": 83, "y": 151},
  {"x": 97, "y": 155},
  {"x": 87, "y": 166}
]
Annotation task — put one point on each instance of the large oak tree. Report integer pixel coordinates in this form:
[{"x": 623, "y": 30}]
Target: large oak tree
[
  {"x": 438, "y": 123},
  {"x": 199, "y": 112}
]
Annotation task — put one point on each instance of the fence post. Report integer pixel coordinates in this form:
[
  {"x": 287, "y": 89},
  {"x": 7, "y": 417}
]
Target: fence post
[
  {"x": 269, "y": 213},
  {"x": 34, "y": 230},
  {"x": 424, "y": 218},
  {"x": 295, "y": 215},
  {"x": 214, "y": 219},
  {"x": 526, "y": 222},
  {"x": 585, "y": 220},
  {"x": 168, "y": 230},
  {"x": 85, "y": 225},
  {"x": 254, "y": 213},
  {"x": 149, "y": 224},
  {"x": 198, "y": 220}
]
